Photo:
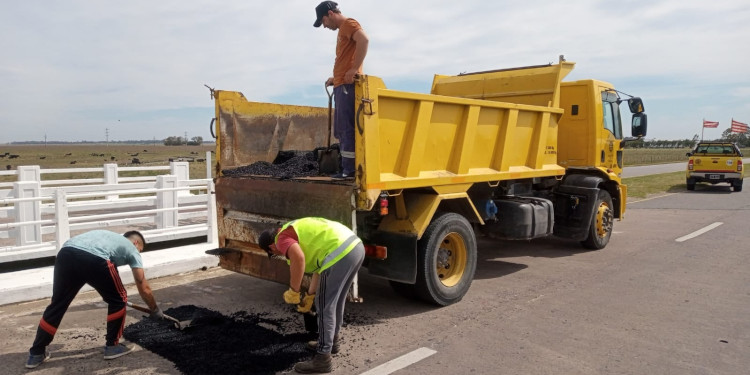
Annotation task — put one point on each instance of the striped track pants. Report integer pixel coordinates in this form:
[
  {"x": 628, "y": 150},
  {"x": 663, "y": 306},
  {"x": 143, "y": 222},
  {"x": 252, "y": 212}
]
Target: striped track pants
[{"x": 73, "y": 269}]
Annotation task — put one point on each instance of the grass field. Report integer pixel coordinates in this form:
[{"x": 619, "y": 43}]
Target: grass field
[
  {"x": 645, "y": 156},
  {"x": 642, "y": 187},
  {"x": 96, "y": 155}
]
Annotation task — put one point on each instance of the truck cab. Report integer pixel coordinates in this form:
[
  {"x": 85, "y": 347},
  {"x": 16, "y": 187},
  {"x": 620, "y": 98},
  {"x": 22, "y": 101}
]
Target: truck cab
[{"x": 591, "y": 137}]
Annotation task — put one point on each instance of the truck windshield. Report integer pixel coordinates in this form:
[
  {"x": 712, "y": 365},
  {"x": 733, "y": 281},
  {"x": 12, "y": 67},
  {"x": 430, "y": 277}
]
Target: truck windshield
[{"x": 611, "y": 118}]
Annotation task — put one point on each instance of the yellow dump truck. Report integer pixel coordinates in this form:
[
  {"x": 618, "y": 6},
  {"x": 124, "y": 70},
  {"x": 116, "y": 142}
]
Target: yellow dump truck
[{"x": 514, "y": 154}]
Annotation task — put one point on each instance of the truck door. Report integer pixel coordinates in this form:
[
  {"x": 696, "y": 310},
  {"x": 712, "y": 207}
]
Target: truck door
[{"x": 610, "y": 151}]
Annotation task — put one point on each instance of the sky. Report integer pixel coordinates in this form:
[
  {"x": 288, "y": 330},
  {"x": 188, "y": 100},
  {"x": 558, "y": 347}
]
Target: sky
[{"x": 135, "y": 70}]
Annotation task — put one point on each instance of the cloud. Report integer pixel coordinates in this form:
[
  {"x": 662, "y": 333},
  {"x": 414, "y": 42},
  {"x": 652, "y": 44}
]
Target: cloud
[{"x": 73, "y": 68}]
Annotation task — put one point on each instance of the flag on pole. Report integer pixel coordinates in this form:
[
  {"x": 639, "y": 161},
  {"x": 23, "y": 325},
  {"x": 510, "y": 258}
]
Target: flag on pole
[
  {"x": 738, "y": 127},
  {"x": 710, "y": 124}
]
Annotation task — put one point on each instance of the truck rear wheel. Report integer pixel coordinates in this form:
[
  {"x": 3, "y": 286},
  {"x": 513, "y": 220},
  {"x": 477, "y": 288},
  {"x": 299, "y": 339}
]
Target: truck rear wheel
[
  {"x": 601, "y": 223},
  {"x": 737, "y": 185},
  {"x": 690, "y": 184},
  {"x": 447, "y": 259}
]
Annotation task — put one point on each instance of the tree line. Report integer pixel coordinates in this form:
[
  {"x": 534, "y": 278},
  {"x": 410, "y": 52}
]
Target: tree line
[
  {"x": 179, "y": 141},
  {"x": 741, "y": 139}
]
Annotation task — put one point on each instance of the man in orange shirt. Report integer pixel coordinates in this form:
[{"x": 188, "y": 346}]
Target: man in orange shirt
[{"x": 351, "y": 49}]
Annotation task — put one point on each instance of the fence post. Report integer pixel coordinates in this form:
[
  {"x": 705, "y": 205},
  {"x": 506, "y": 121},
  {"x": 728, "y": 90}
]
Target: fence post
[
  {"x": 27, "y": 211},
  {"x": 166, "y": 199},
  {"x": 111, "y": 177},
  {"x": 181, "y": 169},
  {"x": 213, "y": 226},
  {"x": 29, "y": 173},
  {"x": 62, "y": 232},
  {"x": 209, "y": 165}
]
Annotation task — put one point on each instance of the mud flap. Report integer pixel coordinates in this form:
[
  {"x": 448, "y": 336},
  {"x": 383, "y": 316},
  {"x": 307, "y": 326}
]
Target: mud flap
[
  {"x": 574, "y": 206},
  {"x": 401, "y": 263}
]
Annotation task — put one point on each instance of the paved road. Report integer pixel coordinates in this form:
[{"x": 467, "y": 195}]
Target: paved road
[
  {"x": 646, "y": 304},
  {"x": 645, "y": 170}
]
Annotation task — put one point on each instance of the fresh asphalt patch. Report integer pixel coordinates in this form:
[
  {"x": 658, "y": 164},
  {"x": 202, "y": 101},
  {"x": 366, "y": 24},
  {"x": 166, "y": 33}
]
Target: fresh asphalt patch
[{"x": 248, "y": 343}]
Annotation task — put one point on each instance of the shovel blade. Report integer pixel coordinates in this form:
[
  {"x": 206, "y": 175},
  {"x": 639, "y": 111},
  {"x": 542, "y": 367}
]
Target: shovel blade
[
  {"x": 311, "y": 322},
  {"x": 328, "y": 161},
  {"x": 181, "y": 325}
]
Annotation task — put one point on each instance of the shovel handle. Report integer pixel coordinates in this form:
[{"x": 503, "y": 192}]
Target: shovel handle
[
  {"x": 139, "y": 308},
  {"x": 148, "y": 311},
  {"x": 330, "y": 113}
]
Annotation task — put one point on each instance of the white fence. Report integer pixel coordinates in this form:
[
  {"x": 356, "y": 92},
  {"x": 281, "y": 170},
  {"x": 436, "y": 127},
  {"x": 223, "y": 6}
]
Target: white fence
[{"x": 37, "y": 216}]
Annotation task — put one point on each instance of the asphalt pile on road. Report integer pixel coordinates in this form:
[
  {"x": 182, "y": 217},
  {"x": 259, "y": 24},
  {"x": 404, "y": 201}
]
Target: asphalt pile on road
[
  {"x": 247, "y": 343},
  {"x": 288, "y": 164}
]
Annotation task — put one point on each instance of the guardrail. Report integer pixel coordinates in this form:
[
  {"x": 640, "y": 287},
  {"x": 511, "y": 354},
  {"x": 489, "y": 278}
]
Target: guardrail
[{"x": 37, "y": 216}]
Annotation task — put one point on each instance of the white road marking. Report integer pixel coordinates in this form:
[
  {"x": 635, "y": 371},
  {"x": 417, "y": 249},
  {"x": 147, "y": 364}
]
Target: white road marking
[
  {"x": 698, "y": 232},
  {"x": 401, "y": 362}
]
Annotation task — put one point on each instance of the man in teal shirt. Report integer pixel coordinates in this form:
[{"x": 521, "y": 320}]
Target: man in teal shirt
[{"x": 92, "y": 258}]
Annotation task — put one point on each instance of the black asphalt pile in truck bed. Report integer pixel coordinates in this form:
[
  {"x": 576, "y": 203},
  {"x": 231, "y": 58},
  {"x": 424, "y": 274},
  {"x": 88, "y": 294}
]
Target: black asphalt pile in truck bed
[
  {"x": 288, "y": 164},
  {"x": 243, "y": 343}
]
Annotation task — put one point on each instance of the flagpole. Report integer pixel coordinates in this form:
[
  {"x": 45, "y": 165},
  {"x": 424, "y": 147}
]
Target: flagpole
[{"x": 703, "y": 128}]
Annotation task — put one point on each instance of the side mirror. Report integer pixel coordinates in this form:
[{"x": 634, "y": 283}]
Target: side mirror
[
  {"x": 635, "y": 105},
  {"x": 639, "y": 125}
]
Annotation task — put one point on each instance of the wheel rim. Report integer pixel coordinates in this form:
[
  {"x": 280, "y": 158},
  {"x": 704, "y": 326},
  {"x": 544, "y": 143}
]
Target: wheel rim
[
  {"x": 604, "y": 219},
  {"x": 450, "y": 264}
]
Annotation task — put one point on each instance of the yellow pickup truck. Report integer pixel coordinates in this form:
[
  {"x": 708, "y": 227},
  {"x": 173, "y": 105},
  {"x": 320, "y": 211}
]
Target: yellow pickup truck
[{"x": 715, "y": 162}]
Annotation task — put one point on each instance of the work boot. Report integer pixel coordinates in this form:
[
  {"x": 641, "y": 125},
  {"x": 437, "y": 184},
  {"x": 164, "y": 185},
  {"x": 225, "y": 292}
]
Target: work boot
[
  {"x": 36, "y": 360},
  {"x": 343, "y": 176},
  {"x": 117, "y": 351},
  {"x": 319, "y": 364},
  {"x": 313, "y": 345}
]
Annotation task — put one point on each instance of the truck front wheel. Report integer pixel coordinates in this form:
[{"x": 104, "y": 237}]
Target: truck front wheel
[
  {"x": 447, "y": 259},
  {"x": 603, "y": 218}
]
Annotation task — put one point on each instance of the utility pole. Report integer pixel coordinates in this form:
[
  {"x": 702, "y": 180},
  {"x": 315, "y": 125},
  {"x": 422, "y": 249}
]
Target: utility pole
[
  {"x": 106, "y": 134},
  {"x": 186, "y": 142},
  {"x": 45, "y": 139}
]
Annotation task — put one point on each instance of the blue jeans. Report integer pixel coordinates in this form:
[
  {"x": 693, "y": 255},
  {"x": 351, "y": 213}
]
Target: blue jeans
[{"x": 343, "y": 125}]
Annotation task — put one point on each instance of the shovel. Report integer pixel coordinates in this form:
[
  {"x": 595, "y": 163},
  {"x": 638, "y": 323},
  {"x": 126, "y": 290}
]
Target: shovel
[
  {"x": 181, "y": 325},
  {"x": 328, "y": 159},
  {"x": 311, "y": 322}
]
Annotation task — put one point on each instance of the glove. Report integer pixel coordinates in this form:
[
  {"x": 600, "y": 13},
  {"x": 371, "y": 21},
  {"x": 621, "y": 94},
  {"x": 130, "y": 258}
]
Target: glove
[
  {"x": 291, "y": 297},
  {"x": 157, "y": 314},
  {"x": 307, "y": 303}
]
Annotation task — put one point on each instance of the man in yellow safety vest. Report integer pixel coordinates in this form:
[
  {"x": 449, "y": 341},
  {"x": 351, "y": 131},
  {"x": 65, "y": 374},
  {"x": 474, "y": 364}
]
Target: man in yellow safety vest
[{"x": 333, "y": 254}]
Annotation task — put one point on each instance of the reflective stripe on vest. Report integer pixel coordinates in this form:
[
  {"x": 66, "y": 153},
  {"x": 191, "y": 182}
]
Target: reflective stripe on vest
[{"x": 339, "y": 250}]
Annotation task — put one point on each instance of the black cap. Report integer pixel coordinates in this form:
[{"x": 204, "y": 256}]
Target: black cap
[
  {"x": 322, "y": 10},
  {"x": 266, "y": 239}
]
